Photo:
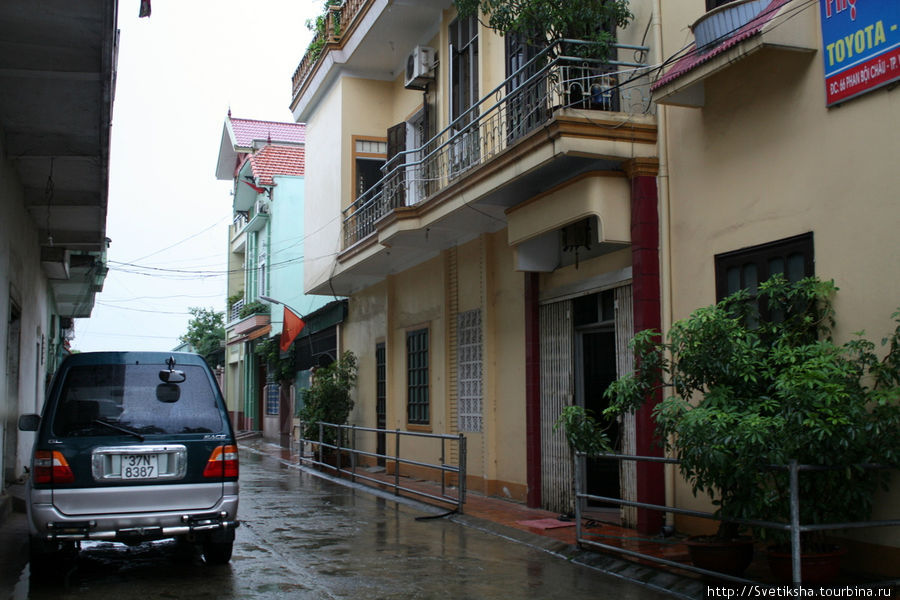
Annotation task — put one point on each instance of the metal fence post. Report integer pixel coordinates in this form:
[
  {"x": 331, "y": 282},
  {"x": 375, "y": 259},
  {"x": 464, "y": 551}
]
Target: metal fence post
[
  {"x": 443, "y": 462},
  {"x": 353, "y": 453},
  {"x": 321, "y": 439},
  {"x": 397, "y": 462},
  {"x": 340, "y": 435},
  {"x": 796, "y": 576},
  {"x": 578, "y": 463},
  {"x": 462, "y": 472}
]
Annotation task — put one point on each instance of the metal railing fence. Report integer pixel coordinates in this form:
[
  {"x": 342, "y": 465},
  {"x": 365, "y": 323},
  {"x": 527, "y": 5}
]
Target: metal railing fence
[
  {"x": 346, "y": 443},
  {"x": 794, "y": 527},
  {"x": 522, "y": 103}
]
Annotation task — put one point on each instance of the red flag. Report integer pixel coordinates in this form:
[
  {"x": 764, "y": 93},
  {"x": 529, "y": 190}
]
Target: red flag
[
  {"x": 256, "y": 188},
  {"x": 290, "y": 328}
]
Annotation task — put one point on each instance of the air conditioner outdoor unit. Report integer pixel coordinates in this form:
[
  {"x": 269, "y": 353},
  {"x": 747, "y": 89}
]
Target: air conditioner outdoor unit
[
  {"x": 262, "y": 207},
  {"x": 419, "y": 67}
]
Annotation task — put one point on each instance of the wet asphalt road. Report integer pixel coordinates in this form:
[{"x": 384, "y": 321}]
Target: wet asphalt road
[{"x": 307, "y": 537}]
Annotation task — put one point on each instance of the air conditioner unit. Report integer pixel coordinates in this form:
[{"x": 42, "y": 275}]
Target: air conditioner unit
[
  {"x": 419, "y": 67},
  {"x": 262, "y": 207}
]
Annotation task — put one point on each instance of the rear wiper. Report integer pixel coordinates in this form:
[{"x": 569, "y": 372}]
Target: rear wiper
[{"x": 119, "y": 428}]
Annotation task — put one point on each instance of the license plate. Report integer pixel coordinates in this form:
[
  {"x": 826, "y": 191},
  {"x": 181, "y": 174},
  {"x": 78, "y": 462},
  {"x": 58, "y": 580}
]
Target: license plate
[{"x": 139, "y": 466}]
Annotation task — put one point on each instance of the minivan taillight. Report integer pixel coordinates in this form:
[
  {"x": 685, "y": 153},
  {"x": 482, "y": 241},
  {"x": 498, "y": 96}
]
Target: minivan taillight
[
  {"x": 223, "y": 462},
  {"x": 50, "y": 466}
]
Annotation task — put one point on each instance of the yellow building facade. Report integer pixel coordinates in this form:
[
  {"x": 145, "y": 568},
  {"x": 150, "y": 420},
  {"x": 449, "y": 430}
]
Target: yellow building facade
[
  {"x": 469, "y": 201},
  {"x": 758, "y": 173},
  {"x": 502, "y": 226}
]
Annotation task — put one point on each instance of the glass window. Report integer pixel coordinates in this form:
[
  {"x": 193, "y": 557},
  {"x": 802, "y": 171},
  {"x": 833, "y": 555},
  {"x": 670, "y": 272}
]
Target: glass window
[
  {"x": 463, "y": 66},
  {"x": 711, "y": 4},
  {"x": 469, "y": 362},
  {"x": 369, "y": 156},
  {"x": 132, "y": 397},
  {"x": 273, "y": 399},
  {"x": 417, "y": 401},
  {"x": 748, "y": 267}
]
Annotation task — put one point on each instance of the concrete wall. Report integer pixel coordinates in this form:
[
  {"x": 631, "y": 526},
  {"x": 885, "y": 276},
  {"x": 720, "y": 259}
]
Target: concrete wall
[
  {"x": 21, "y": 281},
  {"x": 324, "y": 185}
]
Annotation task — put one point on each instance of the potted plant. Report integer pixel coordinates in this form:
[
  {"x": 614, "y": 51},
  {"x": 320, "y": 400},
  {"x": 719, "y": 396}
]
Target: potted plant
[
  {"x": 253, "y": 308},
  {"x": 328, "y": 399},
  {"x": 758, "y": 381}
]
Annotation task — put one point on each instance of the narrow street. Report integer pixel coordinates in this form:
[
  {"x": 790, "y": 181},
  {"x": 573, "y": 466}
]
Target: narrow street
[{"x": 307, "y": 537}]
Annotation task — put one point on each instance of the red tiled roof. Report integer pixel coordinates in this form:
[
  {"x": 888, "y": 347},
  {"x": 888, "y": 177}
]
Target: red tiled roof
[
  {"x": 248, "y": 130},
  {"x": 274, "y": 160},
  {"x": 695, "y": 58}
]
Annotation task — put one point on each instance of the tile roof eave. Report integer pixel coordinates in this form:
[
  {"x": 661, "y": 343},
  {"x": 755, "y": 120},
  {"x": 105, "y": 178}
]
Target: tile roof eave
[{"x": 693, "y": 59}]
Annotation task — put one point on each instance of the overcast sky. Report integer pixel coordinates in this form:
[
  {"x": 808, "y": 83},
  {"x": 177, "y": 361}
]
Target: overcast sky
[{"x": 179, "y": 71}]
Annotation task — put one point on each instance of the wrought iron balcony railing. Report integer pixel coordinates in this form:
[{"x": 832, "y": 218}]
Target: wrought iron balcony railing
[
  {"x": 337, "y": 22},
  {"x": 524, "y": 102}
]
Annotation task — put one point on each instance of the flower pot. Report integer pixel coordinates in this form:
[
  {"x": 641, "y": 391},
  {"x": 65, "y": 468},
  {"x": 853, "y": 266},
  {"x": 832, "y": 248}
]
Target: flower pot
[
  {"x": 728, "y": 556},
  {"x": 816, "y": 567}
]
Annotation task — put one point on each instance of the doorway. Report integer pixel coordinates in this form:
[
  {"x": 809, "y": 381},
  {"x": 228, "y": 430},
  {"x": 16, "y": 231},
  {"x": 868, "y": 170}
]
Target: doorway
[
  {"x": 8, "y": 451},
  {"x": 595, "y": 370},
  {"x": 597, "y": 366}
]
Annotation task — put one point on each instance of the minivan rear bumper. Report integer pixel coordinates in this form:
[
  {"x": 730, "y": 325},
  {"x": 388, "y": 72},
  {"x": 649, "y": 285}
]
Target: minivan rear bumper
[{"x": 49, "y": 523}]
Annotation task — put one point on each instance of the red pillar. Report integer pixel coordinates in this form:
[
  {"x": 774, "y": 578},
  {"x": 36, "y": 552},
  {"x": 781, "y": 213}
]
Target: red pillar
[
  {"x": 532, "y": 392},
  {"x": 647, "y": 311}
]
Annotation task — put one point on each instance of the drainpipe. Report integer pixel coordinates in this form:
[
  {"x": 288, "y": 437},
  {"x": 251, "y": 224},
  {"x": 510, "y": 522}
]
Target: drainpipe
[{"x": 665, "y": 263}]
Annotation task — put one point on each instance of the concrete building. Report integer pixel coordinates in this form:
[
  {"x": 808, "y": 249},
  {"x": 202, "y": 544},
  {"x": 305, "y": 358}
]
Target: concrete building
[
  {"x": 779, "y": 146},
  {"x": 266, "y": 162},
  {"x": 491, "y": 214},
  {"x": 57, "y": 82}
]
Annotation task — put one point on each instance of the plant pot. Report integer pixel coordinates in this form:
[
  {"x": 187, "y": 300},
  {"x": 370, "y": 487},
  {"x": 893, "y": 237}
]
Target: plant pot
[
  {"x": 728, "y": 556},
  {"x": 819, "y": 567}
]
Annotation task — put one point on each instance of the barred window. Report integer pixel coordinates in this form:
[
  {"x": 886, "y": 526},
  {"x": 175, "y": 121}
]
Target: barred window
[
  {"x": 469, "y": 361},
  {"x": 417, "y": 401}
]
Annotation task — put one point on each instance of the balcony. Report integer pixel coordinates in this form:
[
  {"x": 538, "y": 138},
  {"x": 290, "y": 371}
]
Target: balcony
[
  {"x": 567, "y": 99},
  {"x": 365, "y": 36},
  {"x": 729, "y": 34}
]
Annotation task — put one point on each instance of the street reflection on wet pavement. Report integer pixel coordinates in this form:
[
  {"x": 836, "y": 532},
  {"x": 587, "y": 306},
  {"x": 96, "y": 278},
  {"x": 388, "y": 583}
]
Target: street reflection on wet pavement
[{"x": 303, "y": 536}]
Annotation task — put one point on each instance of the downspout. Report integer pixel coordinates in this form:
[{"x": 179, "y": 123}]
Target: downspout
[{"x": 664, "y": 226}]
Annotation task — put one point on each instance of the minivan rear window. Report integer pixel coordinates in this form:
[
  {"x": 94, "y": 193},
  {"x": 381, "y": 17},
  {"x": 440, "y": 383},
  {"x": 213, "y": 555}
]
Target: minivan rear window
[{"x": 132, "y": 397}]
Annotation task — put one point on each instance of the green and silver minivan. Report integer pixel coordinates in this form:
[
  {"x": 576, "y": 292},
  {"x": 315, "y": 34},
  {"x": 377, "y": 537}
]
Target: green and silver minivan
[{"x": 132, "y": 447}]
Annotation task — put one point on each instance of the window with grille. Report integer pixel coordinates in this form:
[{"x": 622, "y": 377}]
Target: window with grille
[
  {"x": 417, "y": 400},
  {"x": 469, "y": 361},
  {"x": 711, "y": 4},
  {"x": 380, "y": 385}
]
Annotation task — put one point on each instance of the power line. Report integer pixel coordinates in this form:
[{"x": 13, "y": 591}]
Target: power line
[
  {"x": 190, "y": 237},
  {"x": 159, "y": 312}
]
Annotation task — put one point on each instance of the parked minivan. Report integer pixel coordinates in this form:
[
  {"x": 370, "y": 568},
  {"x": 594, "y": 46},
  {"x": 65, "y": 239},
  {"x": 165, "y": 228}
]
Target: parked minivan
[{"x": 132, "y": 447}]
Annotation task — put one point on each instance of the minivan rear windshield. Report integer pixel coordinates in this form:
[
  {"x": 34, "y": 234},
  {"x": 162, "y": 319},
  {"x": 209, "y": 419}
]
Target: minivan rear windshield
[{"x": 134, "y": 398}]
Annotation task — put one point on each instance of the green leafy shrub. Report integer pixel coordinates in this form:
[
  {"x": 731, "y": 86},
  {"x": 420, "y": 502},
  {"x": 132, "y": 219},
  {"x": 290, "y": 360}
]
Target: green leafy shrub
[
  {"x": 745, "y": 393},
  {"x": 254, "y": 308},
  {"x": 583, "y": 432},
  {"x": 328, "y": 399}
]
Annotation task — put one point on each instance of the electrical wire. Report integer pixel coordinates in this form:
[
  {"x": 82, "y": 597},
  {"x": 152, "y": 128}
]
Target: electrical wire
[
  {"x": 159, "y": 312},
  {"x": 178, "y": 243}
]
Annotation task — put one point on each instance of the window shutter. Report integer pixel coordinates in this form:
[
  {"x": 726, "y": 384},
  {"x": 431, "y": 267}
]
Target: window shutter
[{"x": 396, "y": 144}]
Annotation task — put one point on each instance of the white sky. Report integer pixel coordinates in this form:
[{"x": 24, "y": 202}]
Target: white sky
[{"x": 179, "y": 71}]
